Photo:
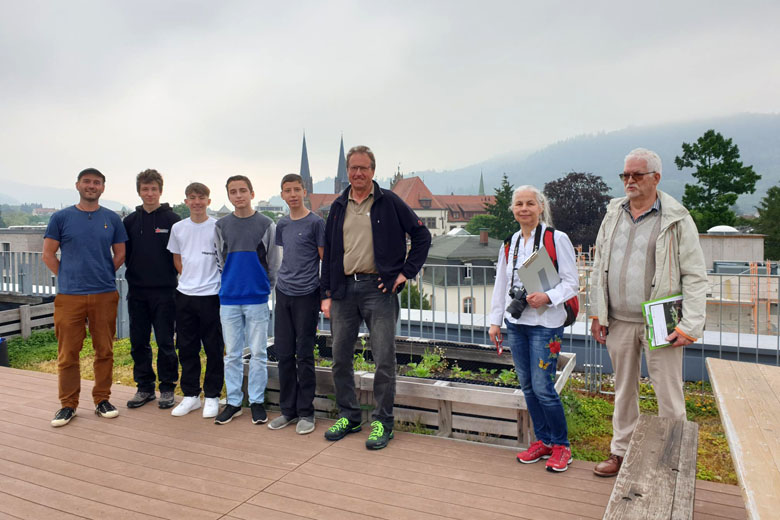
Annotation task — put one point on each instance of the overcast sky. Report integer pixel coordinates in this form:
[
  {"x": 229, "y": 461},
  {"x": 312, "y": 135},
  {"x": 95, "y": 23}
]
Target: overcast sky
[{"x": 204, "y": 90}]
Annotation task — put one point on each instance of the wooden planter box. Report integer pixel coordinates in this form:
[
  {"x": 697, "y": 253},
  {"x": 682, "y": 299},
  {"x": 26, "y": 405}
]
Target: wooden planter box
[{"x": 492, "y": 414}]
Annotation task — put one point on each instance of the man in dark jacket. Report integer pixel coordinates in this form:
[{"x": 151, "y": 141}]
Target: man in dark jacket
[
  {"x": 364, "y": 266},
  {"x": 151, "y": 277}
]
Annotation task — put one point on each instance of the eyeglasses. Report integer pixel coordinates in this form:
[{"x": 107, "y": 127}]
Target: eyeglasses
[{"x": 635, "y": 176}]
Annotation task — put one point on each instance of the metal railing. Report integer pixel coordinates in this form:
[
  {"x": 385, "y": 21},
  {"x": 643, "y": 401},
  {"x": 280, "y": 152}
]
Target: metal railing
[{"x": 742, "y": 312}]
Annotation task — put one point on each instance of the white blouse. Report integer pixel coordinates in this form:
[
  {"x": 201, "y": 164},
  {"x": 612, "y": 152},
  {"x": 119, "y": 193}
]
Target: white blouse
[{"x": 555, "y": 314}]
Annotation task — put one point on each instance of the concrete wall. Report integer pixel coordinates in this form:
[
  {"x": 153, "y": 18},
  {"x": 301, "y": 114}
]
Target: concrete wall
[
  {"x": 732, "y": 248},
  {"x": 22, "y": 239}
]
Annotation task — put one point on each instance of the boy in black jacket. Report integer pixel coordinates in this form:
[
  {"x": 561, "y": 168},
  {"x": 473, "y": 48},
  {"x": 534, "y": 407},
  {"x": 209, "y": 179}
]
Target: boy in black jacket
[{"x": 151, "y": 277}]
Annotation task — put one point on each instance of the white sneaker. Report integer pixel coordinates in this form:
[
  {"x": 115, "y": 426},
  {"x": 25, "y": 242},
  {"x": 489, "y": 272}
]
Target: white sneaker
[
  {"x": 186, "y": 405},
  {"x": 210, "y": 407}
]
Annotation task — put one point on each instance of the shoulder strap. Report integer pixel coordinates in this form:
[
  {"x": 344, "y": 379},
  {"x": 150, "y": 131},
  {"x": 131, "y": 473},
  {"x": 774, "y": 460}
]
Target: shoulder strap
[
  {"x": 549, "y": 245},
  {"x": 507, "y": 245}
]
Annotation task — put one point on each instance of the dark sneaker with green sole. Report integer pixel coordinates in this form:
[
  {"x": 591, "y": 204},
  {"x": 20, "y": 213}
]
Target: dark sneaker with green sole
[
  {"x": 341, "y": 429},
  {"x": 379, "y": 436}
]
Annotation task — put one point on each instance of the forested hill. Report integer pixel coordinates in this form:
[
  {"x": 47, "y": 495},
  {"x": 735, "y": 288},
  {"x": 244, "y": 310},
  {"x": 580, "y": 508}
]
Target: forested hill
[{"x": 757, "y": 135}]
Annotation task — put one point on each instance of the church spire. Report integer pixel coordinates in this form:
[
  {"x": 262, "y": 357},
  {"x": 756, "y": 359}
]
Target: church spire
[
  {"x": 481, "y": 184},
  {"x": 342, "y": 181},
  {"x": 305, "y": 173}
]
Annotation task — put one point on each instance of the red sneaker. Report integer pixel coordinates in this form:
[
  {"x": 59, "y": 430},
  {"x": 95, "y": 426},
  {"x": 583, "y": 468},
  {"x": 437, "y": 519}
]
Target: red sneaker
[
  {"x": 560, "y": 459},
  {"x": 535, "y": 452}
]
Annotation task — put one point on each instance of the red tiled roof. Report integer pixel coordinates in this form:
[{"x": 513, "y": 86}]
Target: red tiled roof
[
  {"x": 318, "y": 200},
  {"x": 412, "y": 190},
  {"x": 465, "y": 206}
]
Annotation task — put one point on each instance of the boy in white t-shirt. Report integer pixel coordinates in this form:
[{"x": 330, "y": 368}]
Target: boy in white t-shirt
[{"x": 197, "y": 304}]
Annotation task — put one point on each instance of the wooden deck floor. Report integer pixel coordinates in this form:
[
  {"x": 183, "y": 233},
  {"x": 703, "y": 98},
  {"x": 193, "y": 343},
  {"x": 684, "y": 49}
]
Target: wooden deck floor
[{"x": 147, "y": 464}]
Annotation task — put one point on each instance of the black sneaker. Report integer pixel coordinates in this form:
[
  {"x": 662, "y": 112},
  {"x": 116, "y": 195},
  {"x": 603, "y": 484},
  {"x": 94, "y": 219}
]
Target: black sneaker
[
  {"x": 379, "y": 436},
  {"x": 63, "y": 416},
  {"x": 227, "y": 414},
  {"x": 166, "y": 400},
  {"x": 258, "y": 413},
  {"x": 141, "y": 398},
  {"x": 106, "y": 409},
  {"x": 341, "y": 429}
]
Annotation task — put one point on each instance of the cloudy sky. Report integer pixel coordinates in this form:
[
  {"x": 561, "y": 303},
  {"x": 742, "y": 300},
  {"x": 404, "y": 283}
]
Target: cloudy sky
[{"x": 201, "y": 90}]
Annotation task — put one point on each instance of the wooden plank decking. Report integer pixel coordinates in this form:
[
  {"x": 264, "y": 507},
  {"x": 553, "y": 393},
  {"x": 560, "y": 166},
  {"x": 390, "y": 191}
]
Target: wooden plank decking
[
  {"x": 147, "y": 464},
  {"x": 748, "y": 397}
]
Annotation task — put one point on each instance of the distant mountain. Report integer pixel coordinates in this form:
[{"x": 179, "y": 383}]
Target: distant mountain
[
  {"x": 757, "y": 135},
  {"x": 18, "y": 193}
]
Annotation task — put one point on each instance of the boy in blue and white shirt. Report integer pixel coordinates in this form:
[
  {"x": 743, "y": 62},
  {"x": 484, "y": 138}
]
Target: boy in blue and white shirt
[{"x": 249, "y": 260}]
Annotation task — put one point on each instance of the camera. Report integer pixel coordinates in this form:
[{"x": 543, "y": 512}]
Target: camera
[{"x": 519, "y": 302}]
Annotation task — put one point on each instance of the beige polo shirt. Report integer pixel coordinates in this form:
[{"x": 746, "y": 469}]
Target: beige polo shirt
[{"x": 358, "y": 240}]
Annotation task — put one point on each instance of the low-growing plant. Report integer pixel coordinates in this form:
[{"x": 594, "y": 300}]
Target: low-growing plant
[
  {"x": 361, "y": 363},
  {"x": 507, "y": 377}
]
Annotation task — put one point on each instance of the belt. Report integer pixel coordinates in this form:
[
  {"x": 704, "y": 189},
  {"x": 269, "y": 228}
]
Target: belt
[{"x": 363, "y": 277}]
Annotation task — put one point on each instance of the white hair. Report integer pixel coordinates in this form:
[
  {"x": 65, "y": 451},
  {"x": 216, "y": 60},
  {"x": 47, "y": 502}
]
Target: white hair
[
  {"x": 653, "y": 160},
  {"x": 541, "y": 199}
]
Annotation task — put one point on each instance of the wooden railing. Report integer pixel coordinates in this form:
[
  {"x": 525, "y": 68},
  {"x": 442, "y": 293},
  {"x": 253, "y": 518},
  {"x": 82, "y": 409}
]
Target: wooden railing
[{"x": 21, "y": 321}]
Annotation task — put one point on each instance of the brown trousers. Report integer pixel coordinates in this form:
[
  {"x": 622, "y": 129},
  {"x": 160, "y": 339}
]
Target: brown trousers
[
  {"x": 72, "y": 312},
  {"x": 625, "y": 343}
]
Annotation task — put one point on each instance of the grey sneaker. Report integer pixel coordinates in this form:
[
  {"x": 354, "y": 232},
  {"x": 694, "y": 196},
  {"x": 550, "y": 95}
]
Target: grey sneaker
[
  {"x": 281, "y": 421},
  {"x": 166, "y": 400},
  {"x": 141, "y": 398},
  {"x": 305, "y": 425}
]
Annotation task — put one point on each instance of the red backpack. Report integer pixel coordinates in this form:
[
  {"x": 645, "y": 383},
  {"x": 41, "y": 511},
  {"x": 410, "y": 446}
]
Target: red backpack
[{"x": 572, "y": 305}]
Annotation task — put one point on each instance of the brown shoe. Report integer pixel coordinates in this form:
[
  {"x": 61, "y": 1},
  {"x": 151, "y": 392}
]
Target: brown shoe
[{"x": 609, "y": 467}]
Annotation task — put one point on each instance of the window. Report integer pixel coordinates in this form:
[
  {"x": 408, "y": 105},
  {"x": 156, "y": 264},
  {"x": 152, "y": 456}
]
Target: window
[
  {"x": 467, "y": 271},
  {"x": 429, "y": 222},
  {"x": 468, "y": 305}
]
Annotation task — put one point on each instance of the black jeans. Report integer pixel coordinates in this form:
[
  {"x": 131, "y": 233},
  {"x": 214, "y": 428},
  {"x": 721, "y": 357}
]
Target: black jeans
[
  {"x": 364, "y": 301},
  {"x": 295, "y": 328},
  {"x": 152, "y": 308},
  {"x": 197, "y": 320}
]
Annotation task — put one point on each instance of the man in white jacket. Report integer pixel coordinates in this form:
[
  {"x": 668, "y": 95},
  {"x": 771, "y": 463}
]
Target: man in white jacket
[{"x": 647, "y": 248}]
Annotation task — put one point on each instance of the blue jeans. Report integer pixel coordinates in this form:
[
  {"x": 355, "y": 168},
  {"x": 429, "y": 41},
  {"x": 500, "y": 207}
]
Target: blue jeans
[
  {"x": 529, "y": 347},
  {"x": 245, "y": 325}
]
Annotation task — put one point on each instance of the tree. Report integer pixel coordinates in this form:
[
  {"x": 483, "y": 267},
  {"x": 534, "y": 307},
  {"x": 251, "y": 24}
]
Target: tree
[
  {"x": 272, "y": 215},
  {"x": 479, "y": 222},
  {"x": 721, "y": 179},
  {"x": 409, "y": 288},
  {"x": 182, "y": 210},
  {"x": 768, "y": 222},
  {"x": 2, "y": 224},
  {"x": 504, "y": 223},
  {"x": 578, "y": 203}
]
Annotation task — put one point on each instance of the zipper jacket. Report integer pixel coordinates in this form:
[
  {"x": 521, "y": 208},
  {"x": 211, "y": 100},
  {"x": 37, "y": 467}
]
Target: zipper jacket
[
  {"x": 679, "y": 265},
  {"x": 391, "y": 221}
]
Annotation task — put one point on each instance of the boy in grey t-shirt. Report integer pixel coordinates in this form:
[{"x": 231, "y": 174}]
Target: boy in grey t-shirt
[{"x": 302, "y": 237}]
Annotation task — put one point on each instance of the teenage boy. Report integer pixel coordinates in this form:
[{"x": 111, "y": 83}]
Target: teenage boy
[
  {"x": 248, "y": 260},
  {"x": 151, "y": 280},
  {"x": 301, "y": 234},
  {"x": 197, "y": 304},
  {"x": 86, "y": 235}
]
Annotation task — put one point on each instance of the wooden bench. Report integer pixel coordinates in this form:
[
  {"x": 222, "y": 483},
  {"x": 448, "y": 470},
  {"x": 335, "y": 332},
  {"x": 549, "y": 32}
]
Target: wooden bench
[
  {"x": 658, "y": 475},
  {"x": 748, "y": 397}
]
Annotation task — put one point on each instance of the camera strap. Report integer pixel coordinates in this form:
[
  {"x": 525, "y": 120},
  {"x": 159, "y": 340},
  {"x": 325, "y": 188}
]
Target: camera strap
[{"x": 537, "y": 240}]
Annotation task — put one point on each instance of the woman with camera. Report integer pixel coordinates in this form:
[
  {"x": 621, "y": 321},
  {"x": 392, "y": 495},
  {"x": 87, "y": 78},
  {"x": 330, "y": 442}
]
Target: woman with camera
[{"x": 534, "y": 324}]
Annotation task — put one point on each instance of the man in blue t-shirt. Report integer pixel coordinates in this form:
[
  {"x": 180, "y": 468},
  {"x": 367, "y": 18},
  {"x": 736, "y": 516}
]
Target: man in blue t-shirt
[
  {"x": 302, "y": 237},
  {"x": 86, "y": 235}
]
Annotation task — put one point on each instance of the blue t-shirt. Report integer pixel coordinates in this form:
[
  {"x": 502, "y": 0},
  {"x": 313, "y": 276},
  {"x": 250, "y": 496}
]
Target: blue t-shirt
[
  {"x": 86, "y": 237},
  {"x": 299, "y": 274}
]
